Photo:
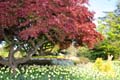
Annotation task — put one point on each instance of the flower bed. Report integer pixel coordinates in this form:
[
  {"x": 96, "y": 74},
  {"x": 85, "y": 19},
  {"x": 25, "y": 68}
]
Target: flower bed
[{"x": 81, "y": 72}]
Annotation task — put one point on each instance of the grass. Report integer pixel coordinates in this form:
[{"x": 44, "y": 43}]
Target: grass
[
  {"x": 4, "y": 53},
  {"x": 81, "y": 72},
  {"x": 62, "y": 57}
]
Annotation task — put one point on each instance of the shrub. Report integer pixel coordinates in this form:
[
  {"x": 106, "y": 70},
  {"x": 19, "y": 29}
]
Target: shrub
[
  {"x": 84, "y": 60},
  {"x": 84, "y": 52},
  {"x": 98, "y": 53},
  {"x": 103, "y": 66}
]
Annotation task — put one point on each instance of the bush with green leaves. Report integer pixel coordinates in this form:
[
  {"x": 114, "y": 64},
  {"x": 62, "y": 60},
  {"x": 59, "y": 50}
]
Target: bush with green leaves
[
  {"x": 104, "y": 49},
  {"x": 83, "y": 52}
]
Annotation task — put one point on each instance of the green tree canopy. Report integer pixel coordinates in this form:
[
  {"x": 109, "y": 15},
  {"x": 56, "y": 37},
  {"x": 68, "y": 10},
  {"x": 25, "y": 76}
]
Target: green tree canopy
[{"x": 109, "y": 26}]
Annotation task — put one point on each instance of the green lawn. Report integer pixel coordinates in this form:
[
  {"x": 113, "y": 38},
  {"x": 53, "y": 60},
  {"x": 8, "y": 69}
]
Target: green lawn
[{"x": 80, "y": 72}]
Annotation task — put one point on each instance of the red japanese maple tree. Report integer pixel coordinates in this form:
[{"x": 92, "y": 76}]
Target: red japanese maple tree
[{"x": 35, "y": 21}]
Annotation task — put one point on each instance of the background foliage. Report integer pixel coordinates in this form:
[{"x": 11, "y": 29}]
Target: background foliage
[{"x": 109, "y": 26}]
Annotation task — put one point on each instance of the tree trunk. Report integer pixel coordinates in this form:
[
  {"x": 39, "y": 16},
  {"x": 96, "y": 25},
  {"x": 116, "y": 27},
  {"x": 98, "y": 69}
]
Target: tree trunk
[
  {"x": 11, "y": 59},
  {"x": 12, "y": 62}
]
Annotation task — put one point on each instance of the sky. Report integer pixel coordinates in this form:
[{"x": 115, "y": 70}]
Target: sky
[{"x": 100, "y": 6}]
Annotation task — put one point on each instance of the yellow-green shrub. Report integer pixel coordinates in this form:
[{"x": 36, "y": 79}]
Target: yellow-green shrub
[{"x": 104, "y": 66}]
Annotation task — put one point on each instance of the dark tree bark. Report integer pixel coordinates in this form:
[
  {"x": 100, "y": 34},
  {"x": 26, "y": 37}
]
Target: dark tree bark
[
  {"x": 13, "y": 62},
  {"x": 11, "y": 58}
]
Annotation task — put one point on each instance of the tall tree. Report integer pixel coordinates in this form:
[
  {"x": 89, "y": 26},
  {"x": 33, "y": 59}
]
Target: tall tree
[
  {"x": 30, "y": 25},
  {"x": 109, "y": 26}
]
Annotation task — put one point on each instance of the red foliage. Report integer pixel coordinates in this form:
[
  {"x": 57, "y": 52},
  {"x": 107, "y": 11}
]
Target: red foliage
[{"x": 56, "y": 19}]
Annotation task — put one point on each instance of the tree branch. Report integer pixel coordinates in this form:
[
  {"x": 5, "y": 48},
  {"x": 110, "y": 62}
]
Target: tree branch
[{"x": 30, "y": 53}]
